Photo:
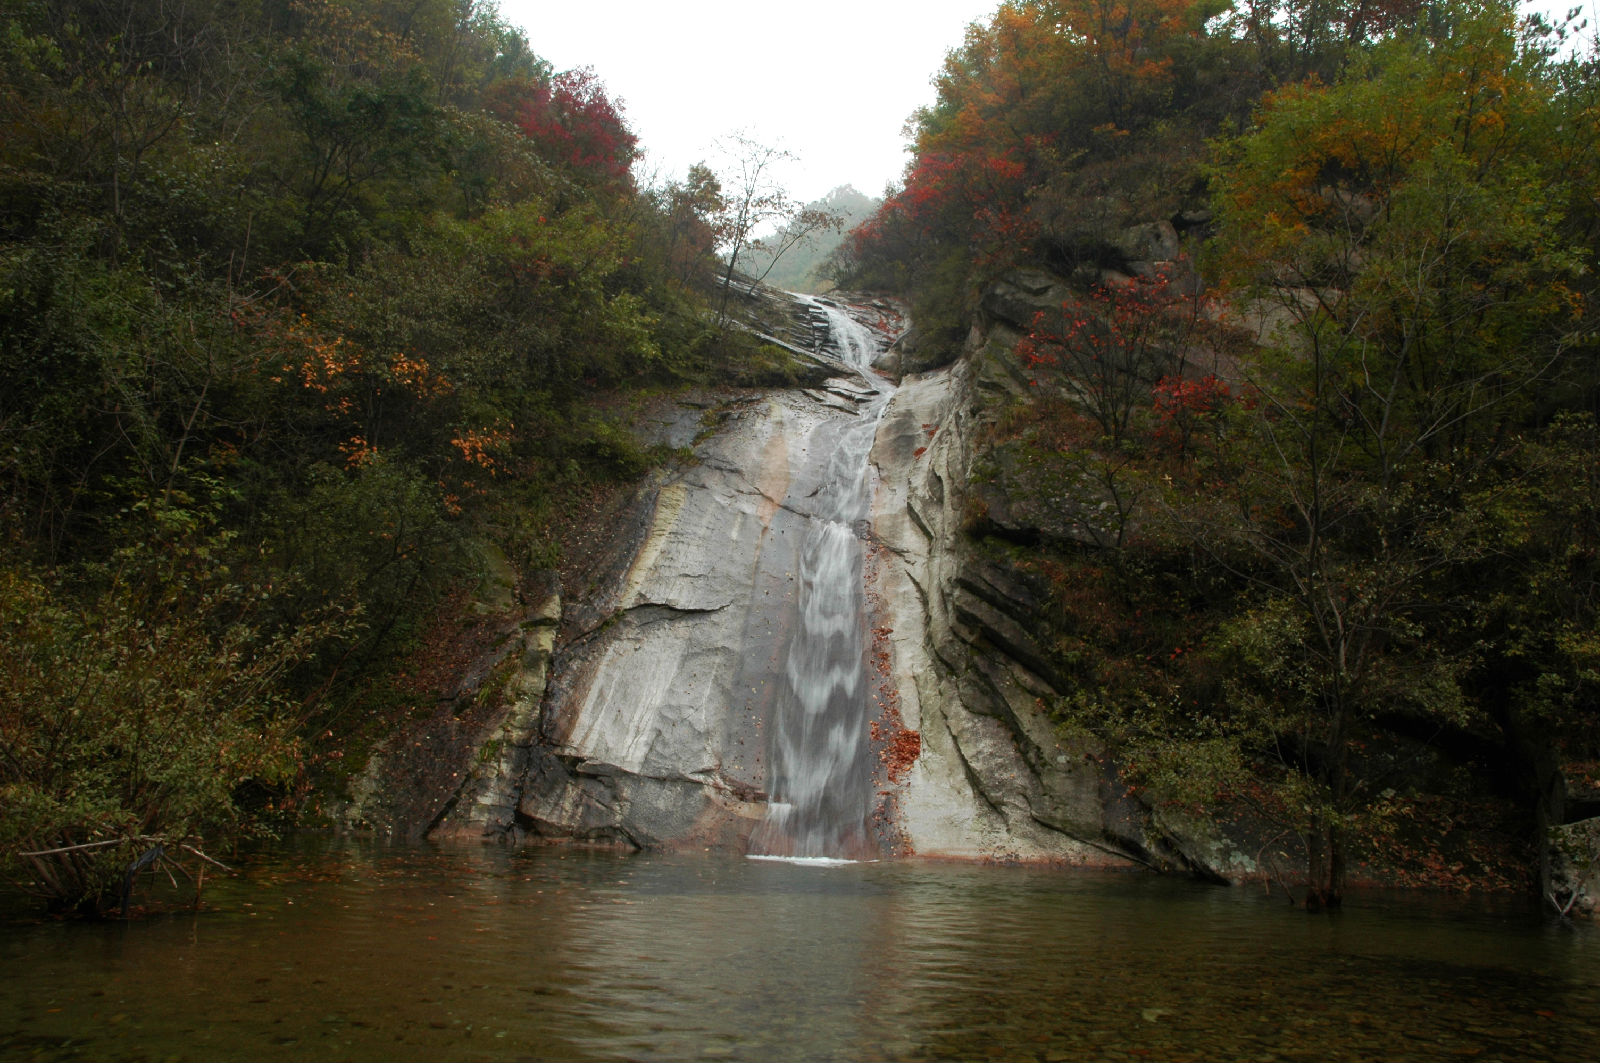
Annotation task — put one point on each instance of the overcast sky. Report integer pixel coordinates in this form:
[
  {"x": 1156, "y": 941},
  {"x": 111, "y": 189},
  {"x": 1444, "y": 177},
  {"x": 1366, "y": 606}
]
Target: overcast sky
[{"x": 831, "y": 81}]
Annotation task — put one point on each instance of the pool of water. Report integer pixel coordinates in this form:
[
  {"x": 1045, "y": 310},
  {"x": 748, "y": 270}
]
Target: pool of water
[{"x": 345, "y": 951}]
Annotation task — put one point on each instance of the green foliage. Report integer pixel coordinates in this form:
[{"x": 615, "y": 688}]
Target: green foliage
[
  {"x": 1354, "y": 510},
  {"x": 135, "y": 701},
  {"x": 376, "y": 537},
  {"x": 328, "y": 290}
]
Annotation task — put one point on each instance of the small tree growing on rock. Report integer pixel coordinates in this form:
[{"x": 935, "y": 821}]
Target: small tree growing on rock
[
  {"x": 1112, "y": 346},
  {"x": 752, "y": 199}
]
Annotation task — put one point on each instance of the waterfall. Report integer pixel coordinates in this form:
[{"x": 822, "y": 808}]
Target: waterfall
[{"x": 820, "y": 759}]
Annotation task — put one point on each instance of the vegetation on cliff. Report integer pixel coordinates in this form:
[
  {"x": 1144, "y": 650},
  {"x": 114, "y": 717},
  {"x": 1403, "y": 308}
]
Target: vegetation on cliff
[
  {"x": 1313, "y": 402},
  {"x": 300, "y": 301}
]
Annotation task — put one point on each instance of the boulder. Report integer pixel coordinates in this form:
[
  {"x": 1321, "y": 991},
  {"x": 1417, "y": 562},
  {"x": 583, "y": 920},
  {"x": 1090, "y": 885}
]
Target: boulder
[
  {"x": 1575, "y": 866},
  {"x": 1152, "y": 241},
  {"x": 1019, "y": 297}
]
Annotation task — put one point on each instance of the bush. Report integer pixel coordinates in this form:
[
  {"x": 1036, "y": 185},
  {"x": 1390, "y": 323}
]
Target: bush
[{"x": 135, "y": 702}]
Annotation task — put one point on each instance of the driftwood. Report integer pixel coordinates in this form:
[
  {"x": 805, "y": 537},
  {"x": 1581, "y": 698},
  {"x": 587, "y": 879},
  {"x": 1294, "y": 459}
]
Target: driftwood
[
  {"x": 157, "y": 855},
  {"x": 159, "y": 840}
]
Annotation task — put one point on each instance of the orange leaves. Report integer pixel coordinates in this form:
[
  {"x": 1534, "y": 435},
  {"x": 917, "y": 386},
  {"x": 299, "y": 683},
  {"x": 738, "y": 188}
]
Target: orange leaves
[
  {"x": 313, "y": 360},
  {"x": 1326, "y": 162},
  {"x": 337, "y": 369},
  {"x": 412, "y": 372},
  {"x": 357, "y": 452},
  {"x": 479, "y": 446}
]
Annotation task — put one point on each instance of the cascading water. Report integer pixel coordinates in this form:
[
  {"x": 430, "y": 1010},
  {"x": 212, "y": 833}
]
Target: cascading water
[{"x": 820, "y": 759}]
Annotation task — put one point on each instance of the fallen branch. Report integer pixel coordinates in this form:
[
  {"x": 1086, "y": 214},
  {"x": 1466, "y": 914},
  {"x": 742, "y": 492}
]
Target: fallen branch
[
  {"x": 207, "y": 859},
  {"x": 153, "y": 838},
  {"x": 1562, "y": 909},
  {"x": 85, "y": 845}
]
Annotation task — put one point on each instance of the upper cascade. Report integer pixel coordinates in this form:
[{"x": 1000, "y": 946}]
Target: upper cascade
[{"x": 853, "y": 342}]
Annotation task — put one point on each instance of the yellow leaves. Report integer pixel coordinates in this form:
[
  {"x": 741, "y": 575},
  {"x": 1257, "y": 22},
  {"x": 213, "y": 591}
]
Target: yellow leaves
[{"x": 352, "y": 38}]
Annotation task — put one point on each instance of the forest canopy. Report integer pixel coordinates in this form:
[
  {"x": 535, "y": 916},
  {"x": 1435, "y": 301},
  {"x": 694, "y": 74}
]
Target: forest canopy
[
  {"x": 1314, "y": 400},
  {"x": 303, "y": 306}
]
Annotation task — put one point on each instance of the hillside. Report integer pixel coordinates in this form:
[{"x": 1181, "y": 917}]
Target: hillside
[
  {"x": 795, "y": 264},
  {"x": 1291, "y": 420},
  {"x": 312, "y": 313}
]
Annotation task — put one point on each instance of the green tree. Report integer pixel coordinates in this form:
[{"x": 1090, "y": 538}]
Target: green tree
[
  {"x": 135, "y": 713},
  {"x": 1398, "y": 228}
]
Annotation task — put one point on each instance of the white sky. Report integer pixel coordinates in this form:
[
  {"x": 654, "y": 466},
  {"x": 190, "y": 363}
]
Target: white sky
[{"x": 831, "y": 81}]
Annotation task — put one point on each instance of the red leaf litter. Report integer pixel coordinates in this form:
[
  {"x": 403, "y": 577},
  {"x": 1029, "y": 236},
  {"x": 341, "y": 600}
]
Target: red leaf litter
[
  {"x": 900, "y": 746},
  {"x": 897, "y": 745}
]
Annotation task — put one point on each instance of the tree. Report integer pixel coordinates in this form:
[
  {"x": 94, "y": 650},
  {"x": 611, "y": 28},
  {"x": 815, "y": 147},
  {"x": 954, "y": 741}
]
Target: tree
[
  {"x": 1056, "y": 122},
  {"x": 1113, "y": 347},
  {"x": 1407, "y": 243},
  {"x": 576, "y": 127},
  {"x": 133, "y": 720},
  {"x": 689, "y": 210},
  {"x": 752, "y": 198}
]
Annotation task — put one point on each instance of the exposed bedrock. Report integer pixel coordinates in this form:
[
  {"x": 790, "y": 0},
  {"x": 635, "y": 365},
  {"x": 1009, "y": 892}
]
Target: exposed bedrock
[
  {"x": 647, "y": 720},
  {"x": 650, "y": 731},
  {"x": 654, "y": 725},
  {"x": 995, "y": 778}
]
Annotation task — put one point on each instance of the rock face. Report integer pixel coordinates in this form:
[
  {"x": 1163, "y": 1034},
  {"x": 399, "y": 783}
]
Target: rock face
[
  {"x": 995, "y": 780},
  {"x": 652, "y": 718},
  {"x": 654, "y": 724},
  {"x": 648, "y": 735}
]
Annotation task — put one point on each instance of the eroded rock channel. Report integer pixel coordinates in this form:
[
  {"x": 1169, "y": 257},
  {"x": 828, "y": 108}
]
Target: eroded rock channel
[
  {"x": 714, "y": 690},
  {"x": 794, "y": 651}
]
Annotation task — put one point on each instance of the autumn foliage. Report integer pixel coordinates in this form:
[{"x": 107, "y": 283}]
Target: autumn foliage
[
  {"x": 1306, "y": 495},
  {"x": 1113, "y": 344},
  {"x": 574, "y": 124},
  {"x": 313, "y": 299}
]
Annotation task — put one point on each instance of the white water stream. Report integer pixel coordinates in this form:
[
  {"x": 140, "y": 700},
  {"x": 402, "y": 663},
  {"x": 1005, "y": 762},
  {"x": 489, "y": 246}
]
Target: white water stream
[{"x": 820, "y": 757}]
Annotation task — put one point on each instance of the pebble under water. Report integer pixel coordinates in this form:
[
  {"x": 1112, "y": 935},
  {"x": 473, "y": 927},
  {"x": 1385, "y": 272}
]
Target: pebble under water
[{"x": 355, "y": 951}]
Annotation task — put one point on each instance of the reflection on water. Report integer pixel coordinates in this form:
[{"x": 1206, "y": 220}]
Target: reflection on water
[{"x": 360, "y": 952}]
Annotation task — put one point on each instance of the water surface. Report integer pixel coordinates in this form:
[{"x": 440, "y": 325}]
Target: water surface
[{"x": 327, "y": 951}]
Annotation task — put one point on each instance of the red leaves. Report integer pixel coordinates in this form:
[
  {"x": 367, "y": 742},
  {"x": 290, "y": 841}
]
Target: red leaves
[
  {"x": 901, "y": 747},
  {"x": 1182, "y": 405},
  {"x": 575, "y": 125},
  {"x": 898, "y": 746},
  {"x": 1174, "y": 395},
  {"x": 975, "y": 195}
]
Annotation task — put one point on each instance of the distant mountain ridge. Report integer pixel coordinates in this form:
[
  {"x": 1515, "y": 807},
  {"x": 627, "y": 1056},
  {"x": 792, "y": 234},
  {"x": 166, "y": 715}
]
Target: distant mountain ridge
[{"x": 796, "y": 269}]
